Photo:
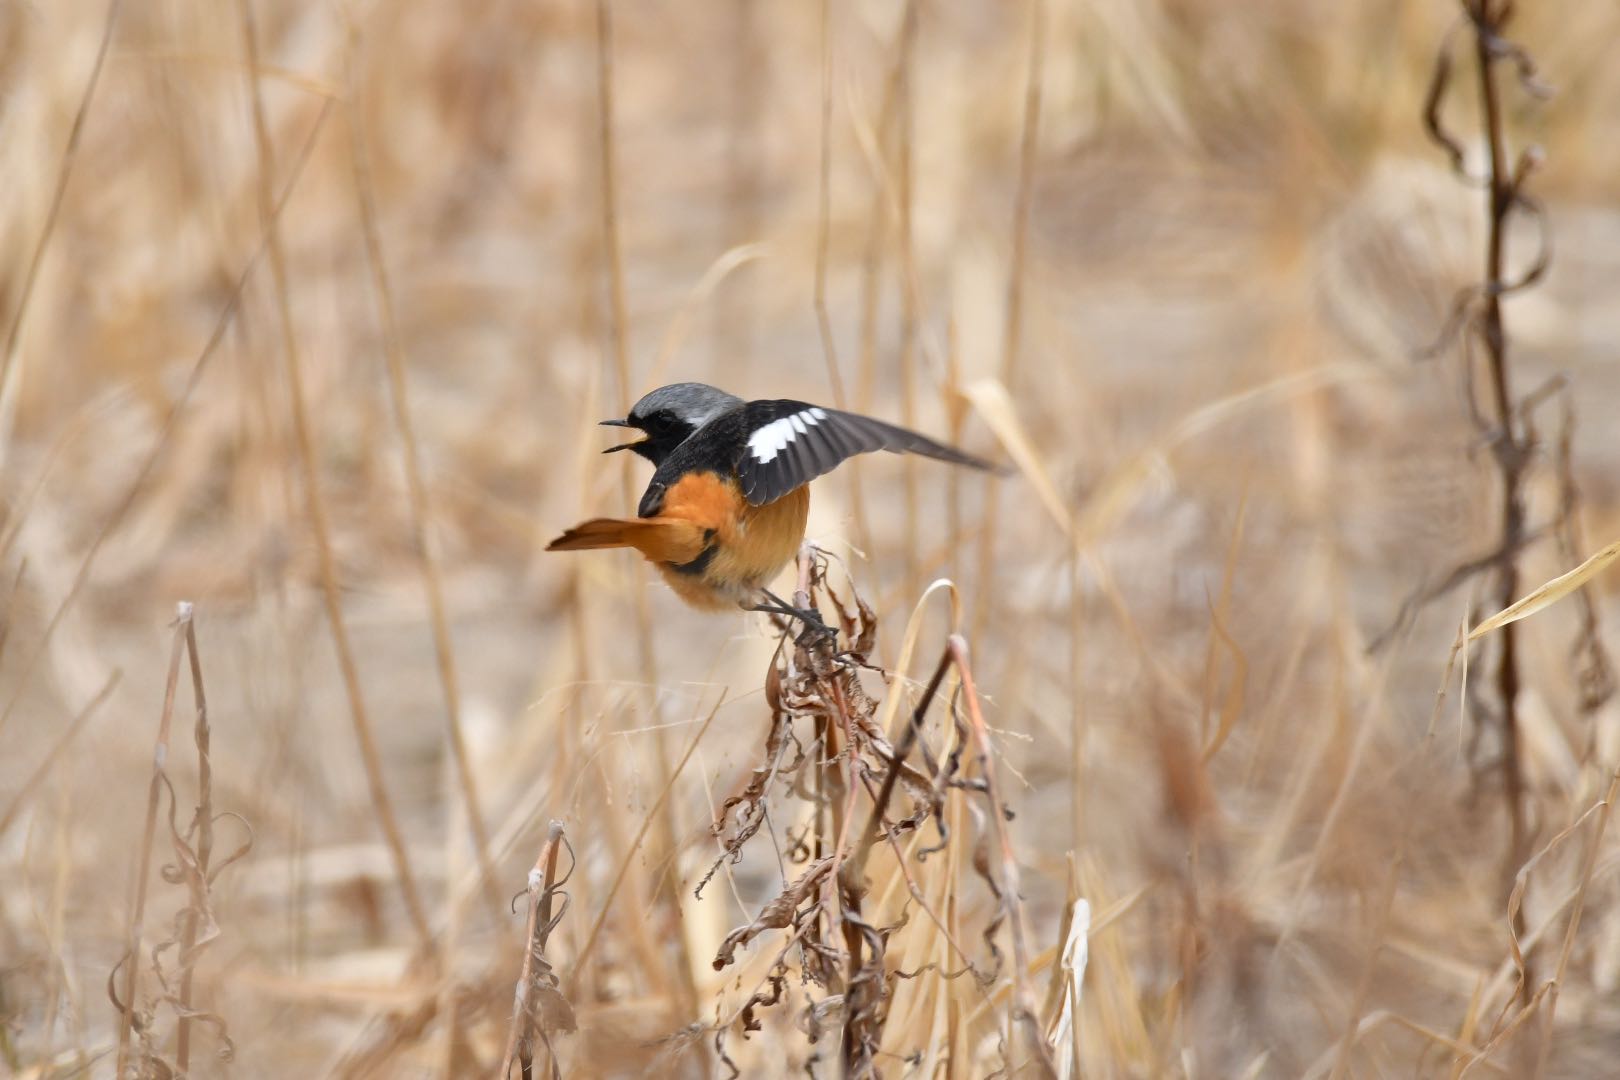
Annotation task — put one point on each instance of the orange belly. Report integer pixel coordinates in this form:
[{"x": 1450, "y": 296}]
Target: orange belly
[{"x": 749, "y": 545}]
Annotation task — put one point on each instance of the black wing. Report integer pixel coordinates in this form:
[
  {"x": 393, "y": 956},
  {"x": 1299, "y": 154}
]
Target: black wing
[{"x": 789, "y": 443}]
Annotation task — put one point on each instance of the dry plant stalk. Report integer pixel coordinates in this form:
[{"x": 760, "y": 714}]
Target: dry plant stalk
[
  {"x": 203, "y": 825},
  {"x": 824, "y": 327},
  {"x": 1013, "y": 321},
  {"x": 909, "y": 289},
  {"x": 195, "y": 925},
  {"x": 70, "y": 154},
  {"x": 1506, "y": 425},
  {"x": 618, "y": 309},
  {"x": 43, "y": 769},
  {"x": 619, "y": 330},
  {"x": 829, "y": 345},
  {"x": 538, "y": 1006},
  {"x": 836, "y": 940},
  {"x": 884, "y": 196},
  {"x": 634, "y": 847},
  {"x": 135, "y": 923},
  {"x": 166, "y": 436},
  {"x": 1511, "y": 450},
  {"x": 315, "y": 505},
  {"x": 421, "y": 510}
]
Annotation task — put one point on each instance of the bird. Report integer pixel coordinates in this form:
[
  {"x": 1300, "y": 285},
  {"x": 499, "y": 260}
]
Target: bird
[{"x": 726, "y": 508}]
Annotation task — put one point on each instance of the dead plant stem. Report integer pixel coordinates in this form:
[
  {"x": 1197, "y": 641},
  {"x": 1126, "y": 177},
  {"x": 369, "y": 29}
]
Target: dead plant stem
[
  {"x": 909, "y": 300},
  {"x": 64, "y": 172},
  {"x": 1509, "y": 450},
  {"x": 1013, "y": 319},
  {"x": 1024, "y": 1009},
  {"x": 685, "y": 984},
  {"x": 166, "y": 435},
  {"x": 203, "y": 825},
  {"x": 135, "y": 923},
  {"x": 538, "y": 928},
  {"x": 1578, "y": 905},
  {"x": 421, "y": 509},
  {"x": 641, "y": 834},
  {"x": 829, "y": 345},
  {"x": 315, "y": 507}
]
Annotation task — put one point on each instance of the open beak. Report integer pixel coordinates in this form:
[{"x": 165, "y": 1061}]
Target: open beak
[{"x": 621, "y": 446}]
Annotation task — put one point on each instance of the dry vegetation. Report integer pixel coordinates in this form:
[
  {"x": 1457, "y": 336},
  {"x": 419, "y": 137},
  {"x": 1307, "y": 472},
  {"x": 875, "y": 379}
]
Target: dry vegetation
[{"x": 309, "y": 310}]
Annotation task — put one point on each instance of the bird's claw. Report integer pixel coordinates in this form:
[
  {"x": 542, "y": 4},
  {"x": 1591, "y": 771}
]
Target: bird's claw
[{"x": 815, "y": 627}]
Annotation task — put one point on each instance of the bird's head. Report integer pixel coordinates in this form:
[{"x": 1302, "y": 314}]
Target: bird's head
[{"x": 670, "y": 414}]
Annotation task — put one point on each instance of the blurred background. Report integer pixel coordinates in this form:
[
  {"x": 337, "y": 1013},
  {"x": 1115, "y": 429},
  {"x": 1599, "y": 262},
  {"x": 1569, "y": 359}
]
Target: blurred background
[{"x": 1185, "y": 263}]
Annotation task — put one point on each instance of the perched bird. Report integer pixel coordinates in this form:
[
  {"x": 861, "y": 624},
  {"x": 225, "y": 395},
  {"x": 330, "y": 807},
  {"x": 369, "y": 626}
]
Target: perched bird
[{"x": 727, "y": 505}]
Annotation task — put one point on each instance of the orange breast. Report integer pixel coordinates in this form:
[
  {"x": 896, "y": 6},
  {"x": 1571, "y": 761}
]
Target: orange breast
[{"x": 751, "y": 544}]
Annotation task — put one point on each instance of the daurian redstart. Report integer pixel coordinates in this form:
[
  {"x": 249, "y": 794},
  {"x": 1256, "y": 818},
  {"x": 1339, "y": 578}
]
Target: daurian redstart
[{"x": 727, "y": 504}]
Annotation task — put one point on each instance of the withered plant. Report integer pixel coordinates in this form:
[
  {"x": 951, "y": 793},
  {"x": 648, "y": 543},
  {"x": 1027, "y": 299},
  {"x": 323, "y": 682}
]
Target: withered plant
[
  {"x": 1507, "y": 427},
  {"x": 925, "y": 794},
  {"x": 539, "y": 1008},
  {"x": 196, "y": 868},
  {"x": 1506, "y": 423}
]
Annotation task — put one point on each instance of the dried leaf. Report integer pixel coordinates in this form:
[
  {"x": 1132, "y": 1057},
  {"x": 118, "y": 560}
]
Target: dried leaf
[
  {"x": 1072, "y": 969},
  {"x": 777, "y": 914},
  {"x": 553, "y": 1010},
  {"x": 1550, "y": 593}
]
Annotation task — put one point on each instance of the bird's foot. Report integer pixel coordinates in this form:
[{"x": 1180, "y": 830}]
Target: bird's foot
[{"x": 815, "y": 627}]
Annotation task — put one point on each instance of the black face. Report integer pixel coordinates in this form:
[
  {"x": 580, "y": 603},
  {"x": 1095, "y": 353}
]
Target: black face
[{"x": 664, "y": 430}]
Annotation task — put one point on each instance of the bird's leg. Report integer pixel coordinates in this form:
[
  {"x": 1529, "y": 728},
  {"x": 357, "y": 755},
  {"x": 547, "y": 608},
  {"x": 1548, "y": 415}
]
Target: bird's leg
[{"x": 814, "y": 624}]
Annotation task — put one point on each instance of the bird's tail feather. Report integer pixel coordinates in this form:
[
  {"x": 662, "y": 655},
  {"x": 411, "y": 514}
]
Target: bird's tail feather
[{"x": 659, "y": 539}]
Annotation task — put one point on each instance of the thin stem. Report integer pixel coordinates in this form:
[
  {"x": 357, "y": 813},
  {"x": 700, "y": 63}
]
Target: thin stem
[
  {"x": 135, "y": 923},
  {"x": 1023, "y": 999},
  {"x": 166, "y": 435},
  {"x": 909, "y": 302},
  {"x": 877, "y": 227},
  {"x": 1012, "y": 326},
  {"x": 1510, "y": 451},
  {"x": 43, "y": 769},
  {"x": 542, "y": 878},
  {"x": 421, "y": 510},
  {"x": 824, "y": 213},
  {"x": 1077, "y": 710},
  {"x": 204, "y": 825},
  {"x": 635, "y": 845},
  {"x": 316, "y": 508},
  {"x": 685, "y": 985},
  {"x": 734, "y": 308},
  {"x": 1588, "y": 865},
  {"x": 902, "y": 750},
  {"x": 70, "y": 154}
]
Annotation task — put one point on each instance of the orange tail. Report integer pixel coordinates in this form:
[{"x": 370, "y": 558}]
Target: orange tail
[{"x": 659, "y": 539}]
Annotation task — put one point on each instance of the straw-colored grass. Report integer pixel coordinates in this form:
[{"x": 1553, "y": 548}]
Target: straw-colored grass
[{"x": 1185, "y": 764}]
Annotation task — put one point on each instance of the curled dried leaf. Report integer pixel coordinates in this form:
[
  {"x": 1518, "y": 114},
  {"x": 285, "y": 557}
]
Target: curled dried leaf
[{"x": 781, "y": 912}]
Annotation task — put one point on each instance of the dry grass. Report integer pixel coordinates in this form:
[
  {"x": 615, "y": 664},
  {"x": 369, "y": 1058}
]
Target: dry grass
[{"x": 308, "y": 313}]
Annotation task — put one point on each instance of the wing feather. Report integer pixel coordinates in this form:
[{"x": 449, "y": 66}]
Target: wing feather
[{"x": 787, "y": 444}]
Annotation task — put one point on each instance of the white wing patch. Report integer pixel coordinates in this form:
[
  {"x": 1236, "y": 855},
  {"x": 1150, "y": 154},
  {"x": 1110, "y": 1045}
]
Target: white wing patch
[{"x": 774, "y": 437}]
